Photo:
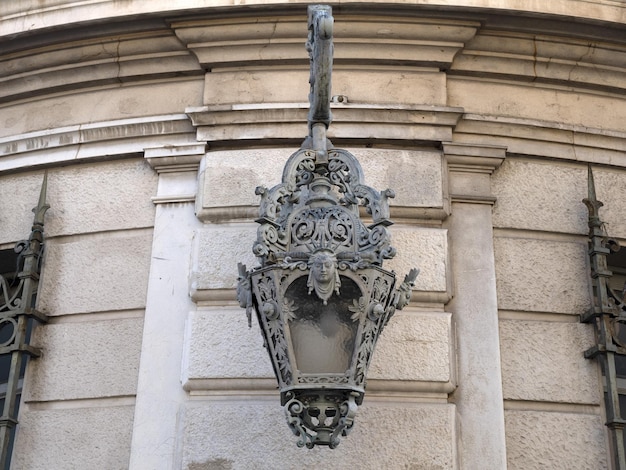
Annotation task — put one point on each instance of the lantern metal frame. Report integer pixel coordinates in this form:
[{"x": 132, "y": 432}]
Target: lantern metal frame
[{"x": 320, "y": 273}]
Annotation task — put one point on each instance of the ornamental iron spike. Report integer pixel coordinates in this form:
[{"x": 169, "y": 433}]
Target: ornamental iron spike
[
  {"x": 608, "y": 315},
  {"x": 17, "y": 312},
  {"x": 321, "y": 295}
]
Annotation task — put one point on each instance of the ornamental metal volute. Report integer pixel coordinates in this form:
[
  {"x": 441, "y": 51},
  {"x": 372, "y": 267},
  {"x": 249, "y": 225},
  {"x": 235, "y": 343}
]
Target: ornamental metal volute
[{"x": 321, "y": 295}]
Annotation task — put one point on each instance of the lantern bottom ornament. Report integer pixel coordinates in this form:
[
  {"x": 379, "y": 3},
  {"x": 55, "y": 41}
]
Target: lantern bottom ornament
[{"x": 321, "y": 416}]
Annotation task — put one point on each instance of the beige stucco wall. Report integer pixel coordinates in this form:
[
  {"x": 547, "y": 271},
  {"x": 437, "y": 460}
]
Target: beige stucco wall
[{"x": 482, "y": 115}]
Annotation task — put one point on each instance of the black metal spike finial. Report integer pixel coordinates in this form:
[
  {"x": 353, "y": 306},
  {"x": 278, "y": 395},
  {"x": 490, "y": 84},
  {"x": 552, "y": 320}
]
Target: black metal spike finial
[
  {"x": 591, "y": 201},
  {"x": 42, "y": 206}
]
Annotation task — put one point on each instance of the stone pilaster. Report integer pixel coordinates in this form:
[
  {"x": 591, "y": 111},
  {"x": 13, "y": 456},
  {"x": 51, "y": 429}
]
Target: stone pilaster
[
  {"x": 474, "y": 306},
  {"x": 159, "y": 392}
]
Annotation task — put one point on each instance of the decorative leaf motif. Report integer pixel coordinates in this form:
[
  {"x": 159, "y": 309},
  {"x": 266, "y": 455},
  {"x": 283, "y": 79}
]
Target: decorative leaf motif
[
  {"x": 358, "y": 308},
  {"x": 364, "y": 352},
  {"x": 289, "y": 308}
]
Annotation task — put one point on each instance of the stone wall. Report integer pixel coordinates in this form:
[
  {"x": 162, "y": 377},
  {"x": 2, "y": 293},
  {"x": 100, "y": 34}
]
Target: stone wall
[
  {"x": 155, "y": 126},
  {"x": 80, "y": 394}
]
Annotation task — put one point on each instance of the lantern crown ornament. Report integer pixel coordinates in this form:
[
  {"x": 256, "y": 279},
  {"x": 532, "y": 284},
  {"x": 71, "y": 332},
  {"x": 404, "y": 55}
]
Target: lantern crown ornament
[{"x": 321, "y": 295}]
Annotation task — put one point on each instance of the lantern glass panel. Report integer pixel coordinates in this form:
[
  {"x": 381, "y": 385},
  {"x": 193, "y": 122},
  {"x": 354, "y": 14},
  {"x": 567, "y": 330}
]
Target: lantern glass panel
[{"x": 323, "y": 335}]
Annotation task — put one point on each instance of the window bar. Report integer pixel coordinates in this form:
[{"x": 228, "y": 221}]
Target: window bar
[
  {"x": 603, "y": 314},
  {"x": 17, "y": 310}
]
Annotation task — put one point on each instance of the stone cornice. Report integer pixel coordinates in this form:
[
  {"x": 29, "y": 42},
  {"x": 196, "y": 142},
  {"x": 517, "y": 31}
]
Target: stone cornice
[
  {"x": 473, "y": 158},
  {"x": 279, "y": 121},
  {"x": 541, "y": 57},
  {"x": 92, "y": 141},
  {"x": 237, "y": 41},
  {"x": 545, "y": 139},
  {"x": 177, "y": 166},
  {"x": 470, "y": 167},
  {"x": 79, "y": 63},
  {"x": 173, "y": 158},
  {"x": 14, "y": 15}
]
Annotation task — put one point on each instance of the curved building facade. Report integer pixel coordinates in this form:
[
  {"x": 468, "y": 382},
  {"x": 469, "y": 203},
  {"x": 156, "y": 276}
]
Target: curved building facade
[{"x": 156, "y": 120}]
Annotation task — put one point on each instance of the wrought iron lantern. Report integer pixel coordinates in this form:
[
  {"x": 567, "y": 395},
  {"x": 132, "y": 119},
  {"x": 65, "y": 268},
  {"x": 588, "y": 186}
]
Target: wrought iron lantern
[{"x": 321, "y": 295}]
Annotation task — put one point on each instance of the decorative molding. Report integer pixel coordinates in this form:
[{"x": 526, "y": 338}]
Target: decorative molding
[
  {"x": 71, "y": 12},
  {"x": 473, "y": 158},
  {"x": 282, "y": 121},
  {"x": 205, "y": 297},
  {"x": 545, "y": 139},
  {"x": 262, "y": 385},
  {"x": 470, "y": 167},
  {"x": 544, "y": 58},
  {"x": 118, "y": 58},
  {"x": 234, "y": 42},
  {"x": 177, "y": 166},
  {"x": 183, "y": 157},
  {"x": 108, "y": 139}
]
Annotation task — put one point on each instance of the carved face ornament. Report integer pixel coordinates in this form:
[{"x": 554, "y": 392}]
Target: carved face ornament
[{"x": 323, "y": 275}]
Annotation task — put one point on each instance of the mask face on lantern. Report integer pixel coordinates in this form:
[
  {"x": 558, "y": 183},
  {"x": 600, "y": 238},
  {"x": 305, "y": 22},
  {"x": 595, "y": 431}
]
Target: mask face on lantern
[
  {"x": 321, "y": 295},
  {"x": 323, "y": 277}
]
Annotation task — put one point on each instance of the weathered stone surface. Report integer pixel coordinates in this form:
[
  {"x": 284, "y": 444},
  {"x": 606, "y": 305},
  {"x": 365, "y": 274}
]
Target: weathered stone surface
[
  {"x": 611, "y": 190},
  {"x": 478, "y": 397},
  {"x": 81, "y": 438},
  {"x": 415, "y": 346},
  {"x": 17, "y": 217},
  {"x": 540, "y": 196},
  {"x": 75, "y": 64},
  {"x": 543, "y": 57},
  {"x": 552, "y": 354},
  {"x": 269, "y": 86},
  {"x": 368, "y": 121},
  {"x": 220, "y": 345},
  {"x": 75, "y": 195},
  {"x": 409, "y": 435},
  {"x": 545, "y": 140},
  {"x": 85, "y": 360},
  {"x": 539, "y": 440},
  {"x": 108, "y": 103},
  {"x": 219, "y": 248},
  {"x": 228, "y": 178},
  {"x": 542, "y": 275},
  {"x": 573, "y": 107},
  {"x": 415, "y": 177},
  {"x": 26, "y": 12},
  {"x": 96, "y": 273},
  {"x": 423, "y": 248},
  {"x": 257, "y": 86}
]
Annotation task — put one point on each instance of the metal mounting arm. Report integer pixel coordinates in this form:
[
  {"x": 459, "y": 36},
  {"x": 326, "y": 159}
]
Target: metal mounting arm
[{"x": 320, "y": 47}]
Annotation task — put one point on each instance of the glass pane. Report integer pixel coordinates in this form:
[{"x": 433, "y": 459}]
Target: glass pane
[
  {"x": 620, "y": 366},
  {"x": 5, "y": 367},
  {"x": 323, "y": 336}
]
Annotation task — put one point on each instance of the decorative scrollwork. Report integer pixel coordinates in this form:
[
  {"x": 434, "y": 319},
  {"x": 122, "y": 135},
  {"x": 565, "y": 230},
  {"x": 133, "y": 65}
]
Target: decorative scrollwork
[
  {"x": 269, "y": 311},
  {"x": 347, "y": 412},
  {"x": 323, "y": 379},
  {"x": 294, "y": 409}
]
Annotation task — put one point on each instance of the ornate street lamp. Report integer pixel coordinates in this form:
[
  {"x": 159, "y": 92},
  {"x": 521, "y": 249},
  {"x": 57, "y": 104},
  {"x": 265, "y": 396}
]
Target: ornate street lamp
[{"x": 321, "y": 295}]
